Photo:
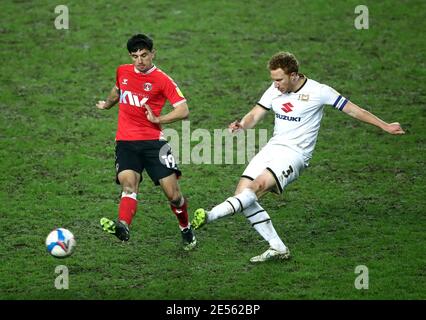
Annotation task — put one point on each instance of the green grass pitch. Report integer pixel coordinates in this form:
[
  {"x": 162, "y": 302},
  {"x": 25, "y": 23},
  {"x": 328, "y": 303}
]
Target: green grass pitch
[{"x": 361, "y": 202}]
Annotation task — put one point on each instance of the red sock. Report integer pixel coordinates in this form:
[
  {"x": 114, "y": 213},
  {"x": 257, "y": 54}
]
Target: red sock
[
  {"x": 127, "y": 209},
  {"x": 181, "y": 214}
]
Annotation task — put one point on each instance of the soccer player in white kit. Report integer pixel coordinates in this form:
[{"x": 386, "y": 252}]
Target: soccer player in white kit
[{"x": 298, "y": 104}]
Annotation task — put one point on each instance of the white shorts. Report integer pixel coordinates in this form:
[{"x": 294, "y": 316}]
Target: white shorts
[{"x": 284, "y": 163}]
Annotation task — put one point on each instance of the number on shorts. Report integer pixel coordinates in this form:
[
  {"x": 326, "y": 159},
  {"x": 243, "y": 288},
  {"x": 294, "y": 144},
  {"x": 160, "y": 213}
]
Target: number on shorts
[
  {"x": 169, "y": 160},
  {"x": 288, "y": 172}
]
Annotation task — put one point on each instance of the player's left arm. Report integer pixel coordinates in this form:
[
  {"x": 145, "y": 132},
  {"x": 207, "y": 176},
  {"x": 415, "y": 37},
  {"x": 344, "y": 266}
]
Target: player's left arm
[
  {"x": 180, "y": 112},
  {"x": 363, "y": 115}
]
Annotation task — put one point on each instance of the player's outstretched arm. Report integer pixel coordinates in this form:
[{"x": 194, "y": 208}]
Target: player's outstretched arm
[
  {"x": 363, "y": 115},
  {"x": 249, "y": 120},
  {"x": 180, "y": 112},
  {"x": 112, "y": 99}
]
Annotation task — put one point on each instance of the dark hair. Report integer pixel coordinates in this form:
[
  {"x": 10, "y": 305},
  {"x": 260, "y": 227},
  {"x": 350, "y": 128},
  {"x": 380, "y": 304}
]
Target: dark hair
[
  {"x": 285, "y": 61},
  {"x": 139, "y": 42}
]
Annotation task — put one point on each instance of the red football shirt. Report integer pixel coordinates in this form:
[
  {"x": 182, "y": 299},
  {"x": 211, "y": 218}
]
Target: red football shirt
[{"x": 136, "y": 88}]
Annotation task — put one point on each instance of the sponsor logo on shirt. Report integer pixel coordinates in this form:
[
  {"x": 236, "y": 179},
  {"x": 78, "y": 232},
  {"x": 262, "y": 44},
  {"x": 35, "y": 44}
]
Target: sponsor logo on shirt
[
  {"x": 287, "y": 107},
  {"x": 287, "y": 118},
  {"x": 127, "y": 97}
]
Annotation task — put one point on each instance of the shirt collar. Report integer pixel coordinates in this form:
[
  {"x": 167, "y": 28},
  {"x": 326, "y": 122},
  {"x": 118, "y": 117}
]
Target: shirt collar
[{"x": 148, "y": 72}]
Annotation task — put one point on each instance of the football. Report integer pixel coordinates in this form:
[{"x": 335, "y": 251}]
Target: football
[{"x": 60, "y": 243}]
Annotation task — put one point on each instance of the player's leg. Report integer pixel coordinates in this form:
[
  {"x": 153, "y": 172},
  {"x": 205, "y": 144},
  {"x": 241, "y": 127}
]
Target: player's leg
[
  {"x": 245, "y": 196},
  {"x": 249, "y": 191},
  {"x": 262, "y": 223},
  {"x": 285, "y": 168},
  {"x": 178, "y": 203},
  {"x": 257, "y": 216},
  {"x": 163, "y": 170},
  {"x": 260, "y": 219},
  {"x": 201, "y": 216},
  {"x": 128, "y": 167},
  {"x": 129, "y": 181},
  {"x": 179, "y": 207}
]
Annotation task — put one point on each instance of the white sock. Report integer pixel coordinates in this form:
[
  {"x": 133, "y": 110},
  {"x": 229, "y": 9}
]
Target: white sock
[
  {"x": 233, "y": 205},
  {"x": 132, "y": 195},
  {"x": 261, "y": 221}
]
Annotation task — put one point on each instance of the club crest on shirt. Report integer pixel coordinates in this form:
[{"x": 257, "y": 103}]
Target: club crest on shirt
[
  {"x": 124, "y": 81},
  {"x": 303, "y": 97},
  {"x": 147, "y": 86}
]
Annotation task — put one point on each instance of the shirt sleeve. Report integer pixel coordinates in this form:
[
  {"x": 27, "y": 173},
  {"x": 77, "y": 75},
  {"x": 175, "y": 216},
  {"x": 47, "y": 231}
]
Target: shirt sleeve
[
  {"x": 172, "y": 92},
  {"x": 332, "y": 97},
  {"x": 266, "y": 99}
]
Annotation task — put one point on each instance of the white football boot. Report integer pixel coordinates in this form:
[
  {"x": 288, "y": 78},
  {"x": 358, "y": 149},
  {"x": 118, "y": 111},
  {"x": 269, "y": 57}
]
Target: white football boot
[{"x": 271, "y": 254}]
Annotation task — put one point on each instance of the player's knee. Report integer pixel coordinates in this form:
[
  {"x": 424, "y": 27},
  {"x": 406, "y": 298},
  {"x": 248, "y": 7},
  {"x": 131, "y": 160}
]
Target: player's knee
[
  {"x": 258, "y": 185},
  {"x": 241, "y": 186},
  {"x": 176, "y": 200}
]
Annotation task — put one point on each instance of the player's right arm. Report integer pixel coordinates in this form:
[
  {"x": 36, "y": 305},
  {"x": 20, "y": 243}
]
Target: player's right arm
[
  {"x": 257, "y": 113},
  {"x": 249, "y": 120},
  {"x": 111, "y": 100}
]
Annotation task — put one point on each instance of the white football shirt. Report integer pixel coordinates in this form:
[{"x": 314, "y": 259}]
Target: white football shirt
[{"x": 298, "y": 114}]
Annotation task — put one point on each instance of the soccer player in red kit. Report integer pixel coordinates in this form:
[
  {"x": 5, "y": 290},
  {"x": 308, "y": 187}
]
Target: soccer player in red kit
[{"x": 141, "y": 89}]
